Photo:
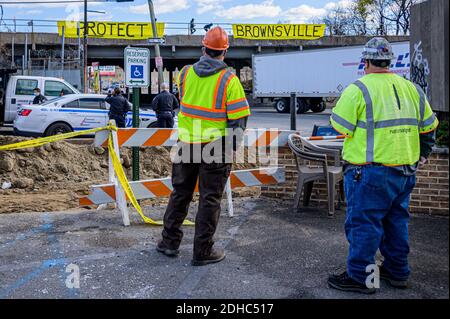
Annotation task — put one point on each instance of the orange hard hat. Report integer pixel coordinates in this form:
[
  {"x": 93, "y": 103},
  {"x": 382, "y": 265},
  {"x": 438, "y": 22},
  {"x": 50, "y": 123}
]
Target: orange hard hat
[{"x": 216, "y": 39}]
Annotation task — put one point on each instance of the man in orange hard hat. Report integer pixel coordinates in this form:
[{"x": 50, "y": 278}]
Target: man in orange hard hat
[{"x": 212, "y": 102}]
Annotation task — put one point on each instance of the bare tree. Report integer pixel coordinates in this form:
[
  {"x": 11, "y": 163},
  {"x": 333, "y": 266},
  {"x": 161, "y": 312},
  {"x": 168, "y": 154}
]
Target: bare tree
[
  {"x": 400, "y": 14},
  {"x": 358, "y": 15},
  {"x": 380, "y": 13},
  {"x": 337, "y": 21},
  {"x": 365, "y": 17}
]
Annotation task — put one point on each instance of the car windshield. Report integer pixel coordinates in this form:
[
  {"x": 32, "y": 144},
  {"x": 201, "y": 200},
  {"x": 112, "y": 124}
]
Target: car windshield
[{"x": 53, "y": 100}]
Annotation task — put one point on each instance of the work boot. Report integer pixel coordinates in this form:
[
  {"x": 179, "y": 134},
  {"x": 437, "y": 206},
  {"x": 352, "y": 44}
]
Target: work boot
[
  {"x": 345, "y": 283},
  {"x": 162, "y": 248},
  {"x": 216, "y": 255},
  {"x": 396, "y": 283}
]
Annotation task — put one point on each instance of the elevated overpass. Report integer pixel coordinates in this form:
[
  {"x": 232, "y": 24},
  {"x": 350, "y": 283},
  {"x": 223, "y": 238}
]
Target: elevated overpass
[{"x": 178, "y": 50}]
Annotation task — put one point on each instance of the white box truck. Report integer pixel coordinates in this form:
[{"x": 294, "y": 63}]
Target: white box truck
[{"x": 314, "y": 75}]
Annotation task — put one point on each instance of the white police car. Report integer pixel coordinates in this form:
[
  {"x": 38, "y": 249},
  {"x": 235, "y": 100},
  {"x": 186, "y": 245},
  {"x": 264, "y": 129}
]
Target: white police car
[{"x": 74, "y": 112}]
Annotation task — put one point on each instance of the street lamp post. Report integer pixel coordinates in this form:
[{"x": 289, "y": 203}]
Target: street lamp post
[
  {"x": 85, "y": 37},
  {"x": 157, "y": 51}
]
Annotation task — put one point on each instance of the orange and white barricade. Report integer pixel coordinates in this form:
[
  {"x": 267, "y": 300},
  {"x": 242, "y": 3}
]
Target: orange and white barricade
[
  {"x": 151, "y": 137},
  {"x": 148, "y": 137},
  {"x": 162, "y": 187}
]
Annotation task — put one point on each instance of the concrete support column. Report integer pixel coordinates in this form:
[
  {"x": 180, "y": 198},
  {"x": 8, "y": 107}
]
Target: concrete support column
[{"x": 171, "y": 81}]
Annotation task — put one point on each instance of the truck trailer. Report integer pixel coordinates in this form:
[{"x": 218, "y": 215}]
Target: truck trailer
[{"x": 314, "y": 75}]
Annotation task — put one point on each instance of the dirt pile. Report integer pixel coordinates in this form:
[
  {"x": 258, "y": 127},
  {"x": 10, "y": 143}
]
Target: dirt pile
[{"x": 54, "y": 176}]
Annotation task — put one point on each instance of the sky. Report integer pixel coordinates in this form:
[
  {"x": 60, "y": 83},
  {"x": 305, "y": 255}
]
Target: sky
[{"x": 203, "y": 11}]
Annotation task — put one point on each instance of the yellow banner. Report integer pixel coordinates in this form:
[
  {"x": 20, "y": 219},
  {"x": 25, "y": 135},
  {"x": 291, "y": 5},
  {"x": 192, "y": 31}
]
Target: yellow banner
[
  {"x": 111, "y": 30},
  {"x": 279, "y": 31}
]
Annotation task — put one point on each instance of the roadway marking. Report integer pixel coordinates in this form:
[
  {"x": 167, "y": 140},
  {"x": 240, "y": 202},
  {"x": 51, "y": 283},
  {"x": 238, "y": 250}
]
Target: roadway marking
[{"x": 60, "y": 260}]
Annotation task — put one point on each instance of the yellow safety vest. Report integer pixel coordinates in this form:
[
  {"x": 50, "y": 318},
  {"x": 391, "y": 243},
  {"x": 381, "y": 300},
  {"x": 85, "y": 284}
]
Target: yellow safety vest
[
  {"x": 208, "y": 103},
  {"x": 382, "y": 115}
]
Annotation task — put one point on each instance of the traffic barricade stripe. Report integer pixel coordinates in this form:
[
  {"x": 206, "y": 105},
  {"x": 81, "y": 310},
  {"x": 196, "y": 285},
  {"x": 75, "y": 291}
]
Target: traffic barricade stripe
[
  {"x": 159, "y": 138},
  {"x": 148, "y": 137},
  {"x": 102, "y": 194}
]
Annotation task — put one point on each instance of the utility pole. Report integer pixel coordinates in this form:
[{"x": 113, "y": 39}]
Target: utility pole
[
  {"x": 157, "y": 51},
  {"x": 62, "y": 50},
  {"x": 13, "y": 53},
  {"x": 26, "y": 53},
  {"x": 85, "y": 39}
]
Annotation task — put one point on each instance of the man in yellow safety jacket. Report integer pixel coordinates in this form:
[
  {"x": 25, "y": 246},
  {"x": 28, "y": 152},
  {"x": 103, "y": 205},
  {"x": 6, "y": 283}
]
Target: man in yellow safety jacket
[
  {"x": 389, "y": 127},
  {"x": 212, "y": 102}
]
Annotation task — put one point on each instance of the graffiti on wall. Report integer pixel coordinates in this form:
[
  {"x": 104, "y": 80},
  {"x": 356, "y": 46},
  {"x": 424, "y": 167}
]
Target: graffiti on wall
[{"x": 420, "y": 68}]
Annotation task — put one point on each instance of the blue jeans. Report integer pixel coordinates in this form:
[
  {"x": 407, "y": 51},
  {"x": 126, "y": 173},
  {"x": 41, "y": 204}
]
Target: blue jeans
[{"x": 377, "y": 218}]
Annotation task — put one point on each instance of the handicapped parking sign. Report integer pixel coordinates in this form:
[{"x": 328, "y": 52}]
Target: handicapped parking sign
[
  {"x": 137, "y": 67},
  {"x": 137, "y": 71}
]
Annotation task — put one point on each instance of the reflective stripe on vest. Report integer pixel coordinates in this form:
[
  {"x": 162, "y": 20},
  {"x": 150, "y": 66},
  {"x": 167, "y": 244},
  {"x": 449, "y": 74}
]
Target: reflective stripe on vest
[
  {"x": 217, "y": 112},
  {"x": 379, "y": 124},
  {"x": 183, "y": 75},
  {"x": 202, "y": 113},
  {"x": 221, "y": 87},
  {"x": 237, "y": 105},
  {"x": 422, "y": 104},
  {"x": 429, "y": 121},
  {"x": 370, "y": 125}
]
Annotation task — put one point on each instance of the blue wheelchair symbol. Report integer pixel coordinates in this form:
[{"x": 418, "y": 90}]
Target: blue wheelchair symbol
[{"x": 137, "y": 71}]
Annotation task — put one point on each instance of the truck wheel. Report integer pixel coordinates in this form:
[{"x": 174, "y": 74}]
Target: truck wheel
[
  {"x": 319, "y": 107},
  {"x": 281, "y": 105},
  {"x": 302, "y": 105},
  {"x": 58, "y": 128}
]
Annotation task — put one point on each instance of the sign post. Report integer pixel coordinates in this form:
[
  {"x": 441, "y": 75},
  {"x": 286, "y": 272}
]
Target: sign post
[
  {"x": 137, "y": 75},
  {"x": 293, "y": 110}
]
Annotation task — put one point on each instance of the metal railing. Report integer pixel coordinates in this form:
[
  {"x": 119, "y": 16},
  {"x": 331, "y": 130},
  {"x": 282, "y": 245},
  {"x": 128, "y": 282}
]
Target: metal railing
[
  {"x": 177, "y": 28},
  {"x": 50, "y": 26}
]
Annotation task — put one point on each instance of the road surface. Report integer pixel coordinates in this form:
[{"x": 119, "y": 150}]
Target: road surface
[{"x": 272, "y": 250}]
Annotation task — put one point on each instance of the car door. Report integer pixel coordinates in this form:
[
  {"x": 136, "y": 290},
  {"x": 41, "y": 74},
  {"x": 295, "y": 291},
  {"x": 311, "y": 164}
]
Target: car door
[
  {"x": 22, "y": 95},
  {"x": 54, "y": 89},
  {"x": 86, "y": 113}
]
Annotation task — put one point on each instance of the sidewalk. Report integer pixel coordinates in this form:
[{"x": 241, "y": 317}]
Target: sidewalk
[{"x": 272, "y": 252}]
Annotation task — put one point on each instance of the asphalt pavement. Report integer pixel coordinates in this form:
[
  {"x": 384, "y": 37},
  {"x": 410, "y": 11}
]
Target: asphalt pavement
[
  {"x": 272, "y": 252},
  {"x": 265, "y": 116}
]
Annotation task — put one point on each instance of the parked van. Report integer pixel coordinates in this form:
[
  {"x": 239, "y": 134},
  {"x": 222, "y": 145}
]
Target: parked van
[{"x": 19, "y": 91}]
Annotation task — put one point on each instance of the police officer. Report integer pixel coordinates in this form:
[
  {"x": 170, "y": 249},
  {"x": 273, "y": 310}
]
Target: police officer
[
  {"x": 164, "y": 105},
  {"x": 38, "y": 97},
  {"x": 119, "y": 107},
  {"x": 212, "y": 100},
  {"x": 389, "y": 126}
]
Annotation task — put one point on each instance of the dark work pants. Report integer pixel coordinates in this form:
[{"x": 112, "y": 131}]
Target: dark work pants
[
  {"x": 165, "y": 120},
  {"x": 120, "y": 120},
  {"x": 212, "y": 179}
]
